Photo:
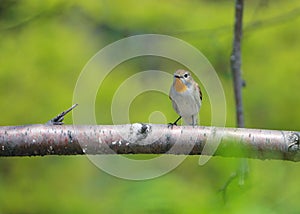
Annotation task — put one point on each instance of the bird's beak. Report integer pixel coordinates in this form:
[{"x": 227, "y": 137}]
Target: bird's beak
[{"x": 177, "y": 76}]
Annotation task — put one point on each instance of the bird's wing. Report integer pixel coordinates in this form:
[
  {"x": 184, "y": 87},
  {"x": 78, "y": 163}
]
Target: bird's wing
[
  {"x": 200, "y": 93},
  {"x": 174, "y": 104}
]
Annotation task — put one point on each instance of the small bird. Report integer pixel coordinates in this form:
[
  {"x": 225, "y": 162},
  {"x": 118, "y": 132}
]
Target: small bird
[{"x": 186, "y": 97}]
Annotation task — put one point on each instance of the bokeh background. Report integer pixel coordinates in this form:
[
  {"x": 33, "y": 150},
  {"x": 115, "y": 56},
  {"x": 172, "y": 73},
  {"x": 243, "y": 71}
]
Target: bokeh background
[{"x": 44, "y": 45}]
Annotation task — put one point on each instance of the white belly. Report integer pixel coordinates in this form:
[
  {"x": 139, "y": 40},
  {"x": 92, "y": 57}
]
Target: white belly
[{"x": 186, "y": 104}]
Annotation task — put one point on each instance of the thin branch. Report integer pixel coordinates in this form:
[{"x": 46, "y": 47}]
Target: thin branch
[
  {"x": 238, "y": 83},
  {"x": 140, "y": 138},
  {"x": 224, "y": 188},
  {"x": 236, "y": 62}
]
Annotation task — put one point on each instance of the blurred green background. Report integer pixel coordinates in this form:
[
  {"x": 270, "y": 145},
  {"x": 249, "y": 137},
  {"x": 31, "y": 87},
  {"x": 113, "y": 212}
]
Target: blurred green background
[{"x": 44, "y": 45}]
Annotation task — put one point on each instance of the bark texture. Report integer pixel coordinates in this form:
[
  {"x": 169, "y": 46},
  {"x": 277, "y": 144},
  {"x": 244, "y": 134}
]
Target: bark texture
[{"x": 138, "y": 138}]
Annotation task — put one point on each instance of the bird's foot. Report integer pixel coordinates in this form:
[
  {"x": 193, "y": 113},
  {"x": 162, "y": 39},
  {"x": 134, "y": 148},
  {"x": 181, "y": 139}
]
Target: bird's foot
[
  {"x": 170, "y": 125},
  {"x": 175, "y": 123}
]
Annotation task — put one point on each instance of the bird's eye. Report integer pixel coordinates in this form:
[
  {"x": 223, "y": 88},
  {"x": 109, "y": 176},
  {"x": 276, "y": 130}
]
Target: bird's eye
[{"x": 186, "y": 75}]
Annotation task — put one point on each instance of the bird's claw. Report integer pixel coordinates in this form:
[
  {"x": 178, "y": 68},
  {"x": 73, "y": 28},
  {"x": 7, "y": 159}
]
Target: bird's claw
[
  {"x": 170, "y": 125},
  {"x": 175, "y": 123}
]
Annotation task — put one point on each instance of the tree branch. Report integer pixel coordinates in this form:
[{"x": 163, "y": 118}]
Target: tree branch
[
  {"x": 236, "y": 62},
  {"x": 31, "y": 140}
]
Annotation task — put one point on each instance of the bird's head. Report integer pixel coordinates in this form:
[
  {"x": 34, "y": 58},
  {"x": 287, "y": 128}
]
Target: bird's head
[{"x": 182, "y": 80}]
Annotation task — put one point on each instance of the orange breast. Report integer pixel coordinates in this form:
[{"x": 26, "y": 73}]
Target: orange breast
[{"x": 179, "y": 86}]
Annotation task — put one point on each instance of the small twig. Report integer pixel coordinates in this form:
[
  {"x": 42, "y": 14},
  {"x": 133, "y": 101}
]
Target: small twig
[
  {"x": 58, "y": 120},
  {"x": 224, "y": 188}
]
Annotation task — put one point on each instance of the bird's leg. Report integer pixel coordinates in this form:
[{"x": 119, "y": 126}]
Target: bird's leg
[
  {"x": 194, "y": 120},
  {"x": 175, "y": 123}
]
